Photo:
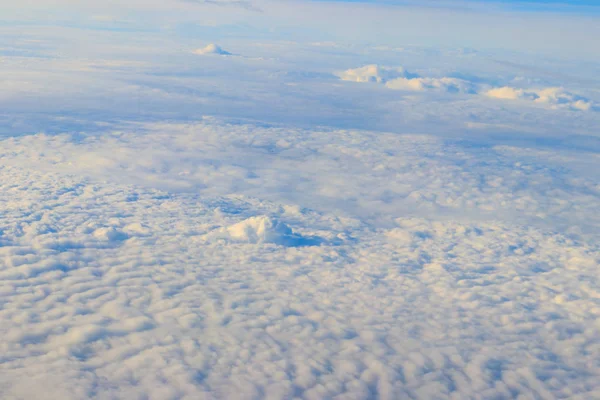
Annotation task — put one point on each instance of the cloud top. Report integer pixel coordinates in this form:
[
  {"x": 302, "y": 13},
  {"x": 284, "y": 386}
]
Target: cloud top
[
  {"x": 212, "y": 49},
  {"x": 399, "y": 78},
  {"x": 554, "y": 97},
  {"x": 445, "y": 84},
  {"x": 374, "y": 73}
]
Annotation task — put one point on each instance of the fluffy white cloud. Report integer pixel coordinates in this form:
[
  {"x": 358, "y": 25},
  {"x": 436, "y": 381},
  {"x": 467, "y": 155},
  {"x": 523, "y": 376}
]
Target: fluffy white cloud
[
  {"x": 400, "y": 79},
  {"x": 508, "y": 93},
  {"x": 373, "y": 73},
  {"x": 120, "y": 290},
  {"x": 226, "y": 260},
  {"x": 262, "y": 229},
  {"x": 419, "y": 84},
  {"x": 553, "y": 97},
  {"x": 330, "y": 169},
  {"x": 561, "y": 97},
  {"x": 212, "y": 49}
]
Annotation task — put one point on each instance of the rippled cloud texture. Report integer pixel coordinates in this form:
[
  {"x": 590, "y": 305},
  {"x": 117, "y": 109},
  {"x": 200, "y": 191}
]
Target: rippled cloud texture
[{"x": 294, "y": 199}]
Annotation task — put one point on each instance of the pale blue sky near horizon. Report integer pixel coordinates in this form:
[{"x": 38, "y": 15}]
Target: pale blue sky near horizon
[
  {"x": 577, "y": 6},
  {"x": 513, "y": 2}
]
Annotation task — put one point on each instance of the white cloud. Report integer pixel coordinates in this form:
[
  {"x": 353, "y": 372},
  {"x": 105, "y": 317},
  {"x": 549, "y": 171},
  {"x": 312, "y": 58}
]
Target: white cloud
[
  {"x": 212, "y": 49},
  {"x": 123, "y": 291},
  {"x": 561, "y": 97},
  {"x": 262, "y": 229},
  {"x": 507, "y": 93},
  {"x": 420, "y": 84},
  {"x": 373, "y": 73},
  {"x": 553, "y": 96},
  {"x": 212, "y": 259},
  {"x": 400, "y": 79},
  {"x": 324, "y": 167},
  {"x": 259, "y": 229}
]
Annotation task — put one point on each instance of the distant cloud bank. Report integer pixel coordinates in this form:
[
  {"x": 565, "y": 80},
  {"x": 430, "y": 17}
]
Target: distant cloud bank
[{"x": 399, "y": 78}]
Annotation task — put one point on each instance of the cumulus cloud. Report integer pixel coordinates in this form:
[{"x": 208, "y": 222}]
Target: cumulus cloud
[
  {"x": 399, "y": 78},
  {"x": 561, "y": 97},
  {"x": 553, "y": 96},
  {"x": 507, "y": 93},
  {"x": 419, "y": 84},
  {"x": 263, "y": 229},
  {"x": 373, "y": 73},
  {"x": 212, "y": 49}
]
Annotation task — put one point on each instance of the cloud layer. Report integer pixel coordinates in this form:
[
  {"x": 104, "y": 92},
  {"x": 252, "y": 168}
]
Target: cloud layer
[
  {"x": 311, "y": 245},
  {"x": 114, "y": 289}
]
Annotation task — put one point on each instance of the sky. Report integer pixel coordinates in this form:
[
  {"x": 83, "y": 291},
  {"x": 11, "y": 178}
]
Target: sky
[
  {"x": 299, "y": 200},
  {"x": 516, "y": 3},
  {"x": 485, "y": 25}
]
